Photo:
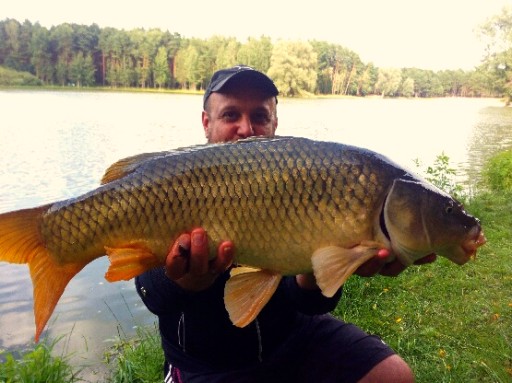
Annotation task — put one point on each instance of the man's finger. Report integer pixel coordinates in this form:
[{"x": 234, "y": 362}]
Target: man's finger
[
  {"x": 198, "y": 252},
  {"x": 224, "y": 258},
  {"x": 178, "y": 260}
]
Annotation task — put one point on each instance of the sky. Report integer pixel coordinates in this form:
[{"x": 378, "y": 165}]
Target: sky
[{"x": 433, "y": 34}]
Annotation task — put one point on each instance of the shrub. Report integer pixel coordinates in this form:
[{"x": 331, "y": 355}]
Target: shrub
[
  {"x": 442, "y": 175},
  {"x": 11, "y": 77},
  {"x": 498, "y": 171}
]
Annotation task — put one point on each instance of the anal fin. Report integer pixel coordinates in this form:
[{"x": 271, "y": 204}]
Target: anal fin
[
  {"x": 128, "y": 261},
  {"x": 246, "y": 293},
  {"x": 333, "y": 265}
]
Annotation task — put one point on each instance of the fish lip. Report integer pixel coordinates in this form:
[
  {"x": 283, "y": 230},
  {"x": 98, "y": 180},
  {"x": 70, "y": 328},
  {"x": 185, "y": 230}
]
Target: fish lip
[{"x": 476, "y": 238}]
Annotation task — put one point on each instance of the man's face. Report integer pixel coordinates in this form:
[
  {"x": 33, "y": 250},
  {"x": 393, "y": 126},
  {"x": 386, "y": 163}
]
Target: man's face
[{"x": 239, "y": 114}]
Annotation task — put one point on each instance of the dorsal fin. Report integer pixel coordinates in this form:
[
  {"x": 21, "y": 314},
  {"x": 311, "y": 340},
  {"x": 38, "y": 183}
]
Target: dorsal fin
[{"x": 128, "y": 165}]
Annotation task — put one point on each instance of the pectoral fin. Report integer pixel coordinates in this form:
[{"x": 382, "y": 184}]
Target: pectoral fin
[
  {"x": 128, "y": 261},
  {"x": 247, "y": 292},
  {"x": 333, "y": 265}
]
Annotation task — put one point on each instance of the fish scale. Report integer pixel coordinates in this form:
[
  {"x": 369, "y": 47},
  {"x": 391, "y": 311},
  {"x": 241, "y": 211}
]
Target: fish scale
[{"x": 290, "y": 206}]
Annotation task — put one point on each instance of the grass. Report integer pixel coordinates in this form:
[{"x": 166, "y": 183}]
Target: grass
[
  {"x": 38, "y": 366},
  {"x": 450, "y": 323},
  {"x": 137, "y": 360}
]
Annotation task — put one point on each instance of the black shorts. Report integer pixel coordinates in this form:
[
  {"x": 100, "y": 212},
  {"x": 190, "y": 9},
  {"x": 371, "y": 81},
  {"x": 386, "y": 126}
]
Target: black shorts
[{"x": 322, "y": 350}]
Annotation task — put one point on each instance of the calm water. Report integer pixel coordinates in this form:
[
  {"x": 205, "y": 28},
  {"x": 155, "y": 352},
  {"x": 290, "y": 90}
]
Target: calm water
[{"x": 56, "y": 145}]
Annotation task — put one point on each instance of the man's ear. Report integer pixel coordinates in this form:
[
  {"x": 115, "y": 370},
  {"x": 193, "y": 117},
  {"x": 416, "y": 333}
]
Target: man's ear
[{"x": 206, "y": 122}]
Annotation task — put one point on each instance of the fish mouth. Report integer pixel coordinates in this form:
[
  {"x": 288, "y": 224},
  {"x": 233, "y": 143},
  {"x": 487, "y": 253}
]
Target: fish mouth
[{"x": 476, "y": 238}]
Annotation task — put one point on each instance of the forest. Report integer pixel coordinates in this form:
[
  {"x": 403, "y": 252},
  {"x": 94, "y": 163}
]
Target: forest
[{"x": 90, "y": 56}]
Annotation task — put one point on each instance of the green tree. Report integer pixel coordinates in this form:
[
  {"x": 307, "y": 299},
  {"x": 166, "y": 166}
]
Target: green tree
[
  {"x": 144, "y": 46},
  {"x": 338, "y": 69},
  {"x": 497, "y": 30},
  {"x": 227, "y": 54},
  {"x": 161, "y": 69},
  {"x": 388, "y": 82},
  {"x": 86, "y": 41},
  {"x": 117, "y": 62},
  {"x": 293, "y": 67},
  {"x": 187, "y": 68},
  {"x": 41, "y": 54},
  {"x": 407, "y": 87},
  {"x": 63, "y": 36},
  {"x": 11, "y": 41},
  {"x": 366, "y": 80},
  {"x": 81, "y": 70},
  {"x": 256, "y": 53}
]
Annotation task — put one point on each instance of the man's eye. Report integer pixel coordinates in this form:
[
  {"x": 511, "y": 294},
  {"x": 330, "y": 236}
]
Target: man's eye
[
  {"x": 230, "y": 116},
  {"x": 261, "y": 118}
]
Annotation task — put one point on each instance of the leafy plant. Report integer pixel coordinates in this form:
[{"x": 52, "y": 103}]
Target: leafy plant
[{"x": 442, "y": 175}]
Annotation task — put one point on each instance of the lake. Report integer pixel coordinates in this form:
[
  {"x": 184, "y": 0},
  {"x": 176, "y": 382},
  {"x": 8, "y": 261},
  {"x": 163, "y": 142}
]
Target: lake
[{"x": 56, "y": 145}]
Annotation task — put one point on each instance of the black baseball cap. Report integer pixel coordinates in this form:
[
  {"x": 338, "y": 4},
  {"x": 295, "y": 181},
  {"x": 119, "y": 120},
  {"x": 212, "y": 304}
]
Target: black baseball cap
[{"x": 224, "y": 78}]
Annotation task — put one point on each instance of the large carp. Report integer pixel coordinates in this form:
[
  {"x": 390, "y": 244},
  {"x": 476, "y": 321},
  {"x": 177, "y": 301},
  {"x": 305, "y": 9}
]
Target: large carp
[{"x": 290, "y": 205}]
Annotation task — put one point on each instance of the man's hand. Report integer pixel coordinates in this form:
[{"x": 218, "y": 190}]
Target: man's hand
[
  {"x": 380, "y": 265},
  {"x": 187, "y": 263}
]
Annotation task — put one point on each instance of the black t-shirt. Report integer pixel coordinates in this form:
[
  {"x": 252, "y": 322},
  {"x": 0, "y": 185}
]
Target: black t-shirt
[{"x": 196, "y": 330}]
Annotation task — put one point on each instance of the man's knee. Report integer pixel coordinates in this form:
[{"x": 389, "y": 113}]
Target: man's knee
[{"x": 393, "y": 369}]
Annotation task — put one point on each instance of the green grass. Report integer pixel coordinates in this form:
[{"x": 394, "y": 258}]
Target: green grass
[
  {"x": 37, "y": 366},
  {"x": 137, "y": 360},
  {"x": 450, "y": 323}
]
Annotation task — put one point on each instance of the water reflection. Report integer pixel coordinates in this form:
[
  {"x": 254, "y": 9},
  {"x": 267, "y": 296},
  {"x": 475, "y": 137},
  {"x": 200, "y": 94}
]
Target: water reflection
[
  {"x": 56, "y": 145},
  {"x": 494, "y": 134}
]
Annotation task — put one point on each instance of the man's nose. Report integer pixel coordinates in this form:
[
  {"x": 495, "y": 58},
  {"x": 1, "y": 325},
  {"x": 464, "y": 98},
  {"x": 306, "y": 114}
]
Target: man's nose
[{"x": 245, "y": 127}]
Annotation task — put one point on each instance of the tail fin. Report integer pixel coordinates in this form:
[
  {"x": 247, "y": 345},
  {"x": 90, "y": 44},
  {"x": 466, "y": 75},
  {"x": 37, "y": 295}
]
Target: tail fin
[{"x": 21, "y": 242}]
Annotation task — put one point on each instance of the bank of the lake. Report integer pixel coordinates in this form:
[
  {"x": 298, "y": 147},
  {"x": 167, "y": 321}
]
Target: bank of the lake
[{"x": 56, "y": 145}]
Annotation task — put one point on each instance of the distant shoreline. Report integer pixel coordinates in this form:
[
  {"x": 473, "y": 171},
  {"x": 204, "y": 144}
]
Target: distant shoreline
[{"x": 108, "y": 89}]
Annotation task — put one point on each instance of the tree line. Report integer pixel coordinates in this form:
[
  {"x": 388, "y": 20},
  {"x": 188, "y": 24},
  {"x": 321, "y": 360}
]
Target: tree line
[{"x": 87, "y": 55}]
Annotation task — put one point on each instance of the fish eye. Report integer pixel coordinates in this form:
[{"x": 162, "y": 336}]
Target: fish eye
[{"x": 448, "y": 209}]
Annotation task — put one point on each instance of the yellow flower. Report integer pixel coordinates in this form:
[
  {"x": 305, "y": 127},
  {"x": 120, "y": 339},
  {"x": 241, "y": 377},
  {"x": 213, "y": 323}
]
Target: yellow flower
[
  {"x": 398, "y": 320},
  {"x": 442, "y": 353}
]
